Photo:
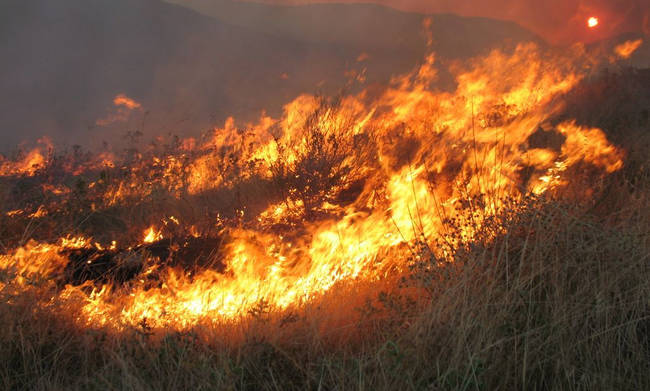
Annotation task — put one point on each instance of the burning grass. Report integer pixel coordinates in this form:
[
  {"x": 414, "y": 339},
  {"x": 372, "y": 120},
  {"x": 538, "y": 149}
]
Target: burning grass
[
  {"x": 560, "y": 301},
  {"x": 489, "y": 237}
]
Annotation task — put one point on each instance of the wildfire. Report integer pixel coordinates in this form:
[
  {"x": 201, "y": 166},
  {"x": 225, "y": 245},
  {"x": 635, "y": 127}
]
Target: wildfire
[
  {"x": 123, "y": 100},
  {"x": 151, "y": 235},
  {"x": 122, "y": 108},
  {"x": 327, "y": 195},
  {"x": 593, "y": 22},
  {"x": 30, "y": 163},
  {"x": 627, "y": 48}
]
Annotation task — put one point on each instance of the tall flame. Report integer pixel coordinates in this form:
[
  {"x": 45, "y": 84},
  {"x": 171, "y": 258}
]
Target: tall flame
[{"x": 360, "y": 186}]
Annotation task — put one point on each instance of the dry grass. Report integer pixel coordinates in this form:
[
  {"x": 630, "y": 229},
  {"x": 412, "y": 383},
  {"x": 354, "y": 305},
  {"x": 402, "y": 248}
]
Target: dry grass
[{"x": 560, "y": 302}]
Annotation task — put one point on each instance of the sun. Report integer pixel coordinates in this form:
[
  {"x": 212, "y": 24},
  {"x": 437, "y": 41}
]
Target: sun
[{"x": 592, "y": 22}]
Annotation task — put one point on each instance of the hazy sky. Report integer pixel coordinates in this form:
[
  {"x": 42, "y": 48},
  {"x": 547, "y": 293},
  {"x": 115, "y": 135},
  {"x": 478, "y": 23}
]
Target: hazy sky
[{"x": 558, "y": 21}]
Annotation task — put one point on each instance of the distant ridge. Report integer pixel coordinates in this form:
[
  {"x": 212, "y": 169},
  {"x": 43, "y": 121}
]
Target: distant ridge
[{"x": 364, "y": 25}]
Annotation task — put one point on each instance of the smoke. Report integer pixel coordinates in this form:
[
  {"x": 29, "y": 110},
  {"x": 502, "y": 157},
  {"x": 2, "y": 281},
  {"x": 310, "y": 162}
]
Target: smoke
[
  {"x": 557, "y": 21},
  {"x": 64, "y": 62}
]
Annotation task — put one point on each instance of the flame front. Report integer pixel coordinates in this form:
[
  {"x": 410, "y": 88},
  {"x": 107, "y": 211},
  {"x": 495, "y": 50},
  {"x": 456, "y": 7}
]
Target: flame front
[{"x": 338, "y": 194}]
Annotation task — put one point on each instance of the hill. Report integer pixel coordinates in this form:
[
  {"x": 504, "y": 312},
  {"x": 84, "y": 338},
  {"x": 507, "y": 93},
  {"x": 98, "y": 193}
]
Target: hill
[{"x": 369, "y": 26}]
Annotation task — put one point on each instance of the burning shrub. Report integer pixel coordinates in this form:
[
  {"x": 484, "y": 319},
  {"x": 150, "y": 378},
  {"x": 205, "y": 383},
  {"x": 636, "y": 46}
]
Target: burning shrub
[{"x": 324, "y": 162}]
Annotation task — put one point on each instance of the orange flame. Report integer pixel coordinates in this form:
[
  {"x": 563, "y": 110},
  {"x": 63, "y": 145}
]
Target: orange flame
[
  {"x": 361, "y": 185},
  {"x": 123, "y": 100},
  {"x": 123, "y": 106},
  {"x": 32, "y": 162},
  {"x": 151, "y": 235},
  {"x": 627, "y": 48}
]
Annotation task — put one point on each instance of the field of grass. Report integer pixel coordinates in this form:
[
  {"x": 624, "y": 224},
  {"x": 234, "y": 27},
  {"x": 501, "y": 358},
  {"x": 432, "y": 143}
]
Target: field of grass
[{"x": 551, "y": 293}]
